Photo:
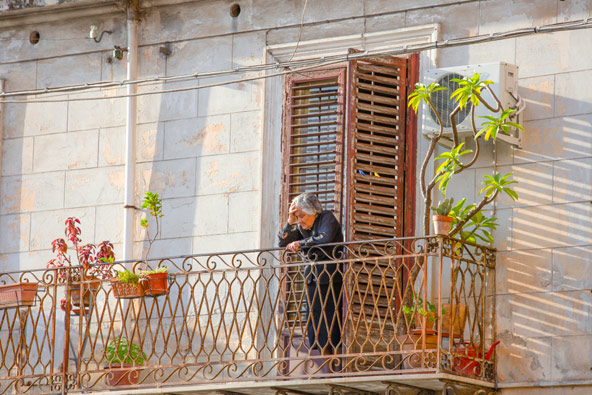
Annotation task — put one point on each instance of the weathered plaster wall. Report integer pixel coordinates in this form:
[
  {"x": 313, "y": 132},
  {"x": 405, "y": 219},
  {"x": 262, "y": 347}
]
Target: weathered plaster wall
[{"x": 201, "y": 149}]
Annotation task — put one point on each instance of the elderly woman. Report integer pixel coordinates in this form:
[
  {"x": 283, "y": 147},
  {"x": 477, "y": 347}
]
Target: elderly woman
[{"x": 309, "y": 226}]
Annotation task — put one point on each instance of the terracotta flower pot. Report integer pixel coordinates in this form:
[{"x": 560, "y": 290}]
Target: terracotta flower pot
[
  {"x": 155, "y": 284},
  {"x": 122, "y": 376},
  {"x": 442, "y": 224},
  {"x": 126, "y": 290},
  {"x": 17, "y": 294},
  {"x": 89, "y": 288},
  {"x": 430, "y": 320}
]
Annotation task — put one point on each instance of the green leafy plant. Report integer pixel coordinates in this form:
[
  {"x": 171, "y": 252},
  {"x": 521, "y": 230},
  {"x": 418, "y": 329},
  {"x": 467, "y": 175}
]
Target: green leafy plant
[
  {"x": 469, "y": 90},
  {"x": 478, "y": 226},
  {"x": 162, "y": 269},
  {"x": 444, "y": 207},
  {"x": 423, "y": 93},
  {"x": 128, "y": 277},
  {"x": 469, "y": 223},
  {"x": 497, "y": 184},
  {"x": 451, "y": 165},
  {"x": 492, "y": 128},
  {"x": 121, "y": 350},
  {"x": 453, "y": 162},
  {"x": 153, "y": 205},
  {"x": 418, "y": 306}
]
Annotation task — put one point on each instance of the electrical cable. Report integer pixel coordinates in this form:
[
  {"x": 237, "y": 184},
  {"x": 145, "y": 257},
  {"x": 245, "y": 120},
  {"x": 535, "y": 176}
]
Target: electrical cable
[
  {"x": 111, "y": 97},
  {"x": 406, "y": 49},
  {"x": 300, "y": 31}
]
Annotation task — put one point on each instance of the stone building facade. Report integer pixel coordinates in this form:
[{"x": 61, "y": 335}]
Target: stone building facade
[{"x": 213, "y": 155}]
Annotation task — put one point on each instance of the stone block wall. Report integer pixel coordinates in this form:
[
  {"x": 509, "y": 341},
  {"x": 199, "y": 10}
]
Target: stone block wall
[{"x": 201, "y": 149}]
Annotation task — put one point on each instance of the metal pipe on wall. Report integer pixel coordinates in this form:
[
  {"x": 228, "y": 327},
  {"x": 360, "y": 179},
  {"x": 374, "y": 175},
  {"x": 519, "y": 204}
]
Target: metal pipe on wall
[
  {"x": 130, "y": 135},
  {"x": 2, "y": 109}
]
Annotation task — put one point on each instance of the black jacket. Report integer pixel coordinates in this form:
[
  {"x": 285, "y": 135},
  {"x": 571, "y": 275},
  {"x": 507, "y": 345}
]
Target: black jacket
[{"x": 325, "y": 229}]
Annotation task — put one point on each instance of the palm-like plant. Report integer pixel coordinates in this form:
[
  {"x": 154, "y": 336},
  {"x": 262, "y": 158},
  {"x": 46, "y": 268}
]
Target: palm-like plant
[
  {"x": 491, "y": 128},
  {"x": 477, "y": 225}
]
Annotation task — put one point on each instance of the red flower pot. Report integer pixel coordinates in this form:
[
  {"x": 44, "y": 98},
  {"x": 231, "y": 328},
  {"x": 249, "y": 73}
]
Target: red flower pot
[
  {"x": 126, "y": 290},
  {"x": 89, "y": 287},
  {"x": 155, "y": 284},
  {"x": 17, "y": 294},
  {"x": 122, "y": 376}
]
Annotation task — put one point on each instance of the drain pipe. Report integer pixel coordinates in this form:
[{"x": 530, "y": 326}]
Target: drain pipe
[{"x": 130, "y": 132}]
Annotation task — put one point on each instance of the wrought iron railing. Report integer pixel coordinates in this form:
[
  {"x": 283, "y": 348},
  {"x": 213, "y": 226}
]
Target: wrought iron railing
[{"x": 245, "y": 316}]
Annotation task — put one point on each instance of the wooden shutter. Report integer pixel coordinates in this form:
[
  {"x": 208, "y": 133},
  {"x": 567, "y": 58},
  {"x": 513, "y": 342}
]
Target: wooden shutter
[
  {"x": 312, "y": 150},
  {"x": 377, "y": 148},
  {"x": 312, "y": 142},
  {"x": 376, "y": 201}
]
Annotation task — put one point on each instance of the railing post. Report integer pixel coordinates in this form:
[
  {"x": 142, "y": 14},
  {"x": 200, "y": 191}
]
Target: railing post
[
  {"x": 22, "y": 346},
  {"x": 66, "y": 360},
  {"x": 439, "y": 303}
]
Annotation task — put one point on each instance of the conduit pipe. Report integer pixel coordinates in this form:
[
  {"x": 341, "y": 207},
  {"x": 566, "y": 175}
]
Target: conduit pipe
[{"x": 130, "y": 133}]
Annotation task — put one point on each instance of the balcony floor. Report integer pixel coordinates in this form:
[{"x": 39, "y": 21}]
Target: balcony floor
[{"x": 408, "y": 383}]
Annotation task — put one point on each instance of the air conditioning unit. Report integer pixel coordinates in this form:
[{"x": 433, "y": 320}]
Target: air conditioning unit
[{"x": 505, "y": 87}]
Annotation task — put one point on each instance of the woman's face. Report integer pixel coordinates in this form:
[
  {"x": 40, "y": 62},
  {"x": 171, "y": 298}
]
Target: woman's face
[{"x": 304, "y": 220}]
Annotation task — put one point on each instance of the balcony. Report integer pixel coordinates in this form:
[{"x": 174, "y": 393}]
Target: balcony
[{"x": 236, "y": 322}]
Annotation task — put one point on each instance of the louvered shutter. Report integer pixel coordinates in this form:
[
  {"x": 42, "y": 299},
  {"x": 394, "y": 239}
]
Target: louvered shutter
[
  {"x": 377, "y": 148},
  {"x": 312, "y": 142},
  {"x": 312, "y": 150},
  {"x": 376, "y": 201}
]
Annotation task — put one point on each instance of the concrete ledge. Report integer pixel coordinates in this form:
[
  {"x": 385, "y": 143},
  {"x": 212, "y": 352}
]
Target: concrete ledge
[
  {"x": 378, "y": 384},
  {"x": 57, "y": 12}
]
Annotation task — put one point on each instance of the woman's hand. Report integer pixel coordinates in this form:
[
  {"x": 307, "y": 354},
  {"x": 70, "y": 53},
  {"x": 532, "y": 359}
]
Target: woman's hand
[
  {"x": 293, "y": 246},
  {"x": 292, "y": 214}
]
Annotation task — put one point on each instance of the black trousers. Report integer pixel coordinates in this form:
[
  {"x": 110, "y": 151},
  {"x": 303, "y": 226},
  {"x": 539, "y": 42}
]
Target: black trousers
[{"x": 324, "y": 315}]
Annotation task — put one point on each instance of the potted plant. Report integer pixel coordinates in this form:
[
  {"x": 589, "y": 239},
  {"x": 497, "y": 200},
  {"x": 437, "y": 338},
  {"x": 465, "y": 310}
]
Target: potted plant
[
  {"x": 155, "y": 281},
  {"x": 443, "y": 218},
  {"x": 121, "y": 356},
  {"x": 127, "y": 285},
  {"x": 18, "y": 294},
  {"x": 418, "y": 311},
  {"x": 453, "y": 162},
  {"x": 469, "y": 222},
  {"x": 95, "y": 261}
]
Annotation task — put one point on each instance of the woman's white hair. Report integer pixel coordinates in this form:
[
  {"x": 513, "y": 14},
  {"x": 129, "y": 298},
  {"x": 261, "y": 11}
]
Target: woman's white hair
[{"x": 308, "y": 203}]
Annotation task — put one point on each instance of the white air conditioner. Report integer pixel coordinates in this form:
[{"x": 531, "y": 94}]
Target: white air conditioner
[{"x": 505, "y": 87}]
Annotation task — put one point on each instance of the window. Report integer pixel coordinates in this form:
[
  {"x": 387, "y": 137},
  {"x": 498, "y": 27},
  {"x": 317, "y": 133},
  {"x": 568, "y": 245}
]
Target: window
[
  {"x": 349, "y": 137},
  {"x": 361, "y": 165},
  {"x": 313, "y": 138}
]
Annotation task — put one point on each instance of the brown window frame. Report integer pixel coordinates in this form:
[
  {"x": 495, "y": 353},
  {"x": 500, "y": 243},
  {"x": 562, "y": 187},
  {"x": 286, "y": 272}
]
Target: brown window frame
[
  {"x": 343, "y": 169},
  {"x": 288, "y": 136}
]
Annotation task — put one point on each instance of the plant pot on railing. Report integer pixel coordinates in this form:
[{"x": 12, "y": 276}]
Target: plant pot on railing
[
  {"x": 124, "y": 376},
  {"x": 127, "y": 285},
  {"x": 442, "y": 217},
  {"x": 155, "y": 284},
  {"x": 89, "y": 289},
  {"x": 123, "y": 290},
  {"x": 123, "y": 358},
  {"x": 17, "y": 294},
  {"x": 442, "y": 224}
]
